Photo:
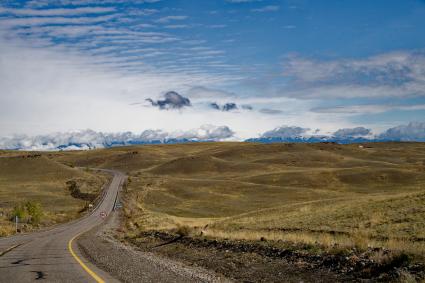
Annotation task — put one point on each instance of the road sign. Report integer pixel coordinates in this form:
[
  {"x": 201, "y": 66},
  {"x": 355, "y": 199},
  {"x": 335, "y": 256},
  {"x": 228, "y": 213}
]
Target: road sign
[{"x": 103, "y": 214}]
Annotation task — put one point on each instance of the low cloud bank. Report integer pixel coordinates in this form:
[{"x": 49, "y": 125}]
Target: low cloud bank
[
  {"x": 89, "y": 139},
  {"x": 285, "y": 132},
  {"x": 414, "y": 131},
  {"x": 352, "y": 132}
]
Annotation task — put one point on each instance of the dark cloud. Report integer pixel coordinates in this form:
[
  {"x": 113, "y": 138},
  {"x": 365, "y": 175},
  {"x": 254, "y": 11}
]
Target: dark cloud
[
  {"x": 352, "y": 132},
  {"x": 414, "y": 131},
  {"x": 270, "y": 111},
  {"x": 285, "y": 132},
  {"x": 229, "y": 106},
  {"x": 215, "y": 106},
  {"x": 172, "y": 100}
]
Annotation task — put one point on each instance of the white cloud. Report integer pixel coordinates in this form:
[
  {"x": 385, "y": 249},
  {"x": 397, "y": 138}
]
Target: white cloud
[
  {"x": 352, "y": 132},
  {"x": 243, "y": 1},
  {"x": 57, "y": 12},
  {"x": 45, "y": 3},
  {"x": 367, "y": 108},
  {"x": 269, "y": 8},
  {"x": 168, "y": 19},
  {"x": 34, "y": 21},
  {"x": 285, "y": 132},
  {"x": 176, "y": 26},
  {"x": 53, "y": 89}
]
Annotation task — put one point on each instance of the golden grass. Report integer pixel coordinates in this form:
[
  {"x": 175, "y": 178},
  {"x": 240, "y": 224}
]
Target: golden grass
[
  {"x": 323, "y": 194},
  {"x": 35, "y": 177},
  {"x": 331, "y": 195}
]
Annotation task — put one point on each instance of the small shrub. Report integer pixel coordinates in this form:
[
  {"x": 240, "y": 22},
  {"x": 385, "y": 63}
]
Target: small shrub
[
  {"x": 182, "y": 230},
  {"x": 20, "y": 211},
  {"x": 35, "y": 211},
  {"x": 360, "y": 240},
  {"x": 29, "y": 212},
  {"x": 406, "y": 277}
]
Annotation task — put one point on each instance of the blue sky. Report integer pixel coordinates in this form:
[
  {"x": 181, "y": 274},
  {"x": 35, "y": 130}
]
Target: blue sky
[{"x": 76, "y": 64}]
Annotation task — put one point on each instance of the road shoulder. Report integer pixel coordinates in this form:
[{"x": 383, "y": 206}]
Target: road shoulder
[{"x": 130, "y": 265}]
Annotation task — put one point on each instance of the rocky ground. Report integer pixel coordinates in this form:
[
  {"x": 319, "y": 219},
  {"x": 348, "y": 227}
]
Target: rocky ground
[
  {"x": 166, "y": 257},
  {"x": 245, "y": 261}
]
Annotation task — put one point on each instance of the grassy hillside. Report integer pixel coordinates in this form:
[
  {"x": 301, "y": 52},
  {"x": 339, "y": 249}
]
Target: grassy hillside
[
  {"x": 327, "y": 193},
  {"x": 325, "y": 197},
  {"x": 34, "y": 177}
]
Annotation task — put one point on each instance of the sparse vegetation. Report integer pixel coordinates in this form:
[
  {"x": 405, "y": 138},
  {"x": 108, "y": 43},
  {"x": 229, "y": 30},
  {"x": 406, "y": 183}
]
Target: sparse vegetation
[
  {"x": 363, "y": 202},
  {"x": 322, "y": 193},
  {"x": 323, "y": 198},
  {"x": 34, "y": 187},
  {"x": 28, "y": 212}
]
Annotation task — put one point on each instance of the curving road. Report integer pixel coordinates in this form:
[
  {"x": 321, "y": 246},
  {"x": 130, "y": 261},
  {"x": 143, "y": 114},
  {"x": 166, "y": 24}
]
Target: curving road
[{"x": 52, "y": 255}]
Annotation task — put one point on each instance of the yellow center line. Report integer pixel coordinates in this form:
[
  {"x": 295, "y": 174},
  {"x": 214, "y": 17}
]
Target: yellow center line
[
  {"x": 89, "y": 271},
  {"x": 9, "y": 249}
]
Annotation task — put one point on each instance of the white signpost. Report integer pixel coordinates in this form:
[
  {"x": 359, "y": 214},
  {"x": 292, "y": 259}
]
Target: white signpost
[{"x": 16, "y": 223}]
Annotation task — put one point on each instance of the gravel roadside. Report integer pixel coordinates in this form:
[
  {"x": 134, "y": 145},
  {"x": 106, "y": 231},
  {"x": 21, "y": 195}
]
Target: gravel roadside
[{"x": 130, "y": 265}]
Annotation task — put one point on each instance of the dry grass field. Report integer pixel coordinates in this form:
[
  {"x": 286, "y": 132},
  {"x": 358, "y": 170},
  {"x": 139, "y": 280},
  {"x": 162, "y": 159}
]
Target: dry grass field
[
  {"x": 367, "y": 201},
  {"x": 326, "y": 194},
  {"x": 35, "y": 177}
]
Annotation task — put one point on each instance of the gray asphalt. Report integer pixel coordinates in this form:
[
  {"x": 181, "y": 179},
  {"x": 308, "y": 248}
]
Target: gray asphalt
[{"x": 44, "y": 256}]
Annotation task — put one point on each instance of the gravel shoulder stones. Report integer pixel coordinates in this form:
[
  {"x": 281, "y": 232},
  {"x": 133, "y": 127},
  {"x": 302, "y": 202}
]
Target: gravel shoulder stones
[{"x": 130, "y": 265}]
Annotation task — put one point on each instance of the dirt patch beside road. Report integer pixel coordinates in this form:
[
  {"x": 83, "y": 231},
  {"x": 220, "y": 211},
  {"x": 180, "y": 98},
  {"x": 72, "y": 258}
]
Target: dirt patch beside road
[
  {"x": 132, "y": 265},
  {"x": 245, "y": 261}
]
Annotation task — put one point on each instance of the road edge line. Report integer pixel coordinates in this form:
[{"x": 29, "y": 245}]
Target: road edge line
[
  {"x": 9, "y": 249},
  {"x": 85, "y": 267}
]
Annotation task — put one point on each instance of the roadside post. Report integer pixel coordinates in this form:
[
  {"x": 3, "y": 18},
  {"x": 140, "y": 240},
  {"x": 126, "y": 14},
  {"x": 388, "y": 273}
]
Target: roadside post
[{"x": 16, "y": 223}]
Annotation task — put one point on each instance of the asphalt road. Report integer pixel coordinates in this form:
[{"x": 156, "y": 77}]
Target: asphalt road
[{"x": 52, "y": 255}]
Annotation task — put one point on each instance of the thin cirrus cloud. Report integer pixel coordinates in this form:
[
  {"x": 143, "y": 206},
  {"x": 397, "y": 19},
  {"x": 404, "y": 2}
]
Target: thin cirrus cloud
[
  {"x": 57, "y": 12},
  {"x": 370, "y": 108},
  {"x": 34, "y": 21},
  {"x": 95, "y": 28},
  {"x": 168, "y": 19},
  {"x": 46, "y": 3},
  {"x": 176, "y": 26},
  {"x": 243, "y": 1},
  {"x": 393, "y": 74},
  {"x": 265, "y": 9}
]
